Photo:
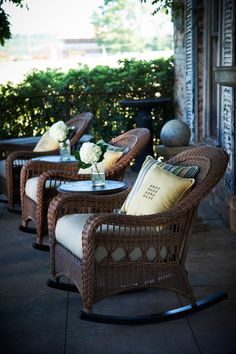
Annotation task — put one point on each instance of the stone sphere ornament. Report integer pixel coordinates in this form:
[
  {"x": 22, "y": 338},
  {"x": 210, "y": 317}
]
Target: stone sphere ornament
[{"x": 175, "y": 133}]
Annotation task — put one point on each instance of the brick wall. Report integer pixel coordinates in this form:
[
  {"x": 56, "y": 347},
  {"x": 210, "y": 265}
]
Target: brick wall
[
  {"x": 200, "y": 72},
  {"x": 179, "y": 51},
  {"x": 219, "y": 196},
  {"x": 180, "y": 67}
]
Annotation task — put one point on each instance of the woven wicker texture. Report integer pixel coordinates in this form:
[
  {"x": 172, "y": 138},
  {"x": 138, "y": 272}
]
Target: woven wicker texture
[
  {"x": 134, "y": 139},
  {"x": 171, "y": 230},
  {"x": 15, "y": 160}
]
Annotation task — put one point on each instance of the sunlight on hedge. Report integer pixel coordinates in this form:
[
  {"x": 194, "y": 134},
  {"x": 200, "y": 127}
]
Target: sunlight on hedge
[{"x": 31, "y": 107}]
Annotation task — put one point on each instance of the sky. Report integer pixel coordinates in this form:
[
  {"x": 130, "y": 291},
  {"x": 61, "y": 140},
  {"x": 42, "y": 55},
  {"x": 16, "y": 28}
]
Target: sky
[{"x": 65, "y": 18}]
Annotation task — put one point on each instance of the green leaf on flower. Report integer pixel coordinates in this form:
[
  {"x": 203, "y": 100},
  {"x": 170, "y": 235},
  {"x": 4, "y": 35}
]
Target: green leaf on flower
[
  {"x": 77, "y": 155},
  {"x": 104, "y": 149},
  {"x": 84, "y": 165}
]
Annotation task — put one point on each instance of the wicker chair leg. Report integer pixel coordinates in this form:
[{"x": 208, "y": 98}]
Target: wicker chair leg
[
  {"x": 41, "y": 247},
  {"x": 28, "y": 230},
  {"x": 158, "y": 317}
]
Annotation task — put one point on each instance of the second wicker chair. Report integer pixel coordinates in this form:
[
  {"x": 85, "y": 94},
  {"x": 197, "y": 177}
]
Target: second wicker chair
[{"x": 47, "y": 177}]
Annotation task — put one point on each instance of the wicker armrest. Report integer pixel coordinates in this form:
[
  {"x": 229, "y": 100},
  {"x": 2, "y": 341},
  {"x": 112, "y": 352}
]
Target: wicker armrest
[
  {"x": 7, "y": 148},
  {"x": 19, "y": 158},
  {"x": 73, "y": 203},
  {"x": 35, "y": 168},
  {"x": 50, "y": 180},
  {"x": 53, "y": 178},
  {"x": 101, "y": 207},
  {"x": 155, "y": 221},
  {"x": 27, "y": 155},
  {"x": 63, "y": 176}
]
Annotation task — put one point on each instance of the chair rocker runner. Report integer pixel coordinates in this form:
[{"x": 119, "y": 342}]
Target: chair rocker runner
[{"x": 106, "y": 253}]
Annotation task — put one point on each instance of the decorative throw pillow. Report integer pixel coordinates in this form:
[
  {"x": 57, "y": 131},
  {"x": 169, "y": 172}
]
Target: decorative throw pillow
[
  {"x": 46, "y": 143},
  {"x": 157, "y": 189},
  {"x": 181, "y": 171},
  {"x": 110, "y": 158}
]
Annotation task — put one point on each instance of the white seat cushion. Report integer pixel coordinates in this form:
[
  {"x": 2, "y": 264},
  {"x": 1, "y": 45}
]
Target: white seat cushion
[
  {"x": 32, "y": 185},
  {"x": 69, "y": 233},
  {"x": 2, "y": 168}
]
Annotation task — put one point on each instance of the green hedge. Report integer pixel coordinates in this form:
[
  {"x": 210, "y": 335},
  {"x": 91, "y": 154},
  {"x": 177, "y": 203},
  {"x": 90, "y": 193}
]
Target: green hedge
[{"x": 44, "y": 97}]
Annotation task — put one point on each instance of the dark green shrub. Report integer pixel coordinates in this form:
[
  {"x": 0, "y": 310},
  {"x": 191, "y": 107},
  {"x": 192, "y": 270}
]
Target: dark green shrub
[{"x": 44, "y": 97}]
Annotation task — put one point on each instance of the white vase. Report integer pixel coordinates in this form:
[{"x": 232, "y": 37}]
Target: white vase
[
  {"x": 98, "y": 174},
  {"x": 65, "y": 150}
]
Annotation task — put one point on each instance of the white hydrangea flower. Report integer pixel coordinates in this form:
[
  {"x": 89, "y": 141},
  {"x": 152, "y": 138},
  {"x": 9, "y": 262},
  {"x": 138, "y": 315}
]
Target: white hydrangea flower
[
  {"x": 59, "y": 131},
  {"x": 90, "y": 153}
]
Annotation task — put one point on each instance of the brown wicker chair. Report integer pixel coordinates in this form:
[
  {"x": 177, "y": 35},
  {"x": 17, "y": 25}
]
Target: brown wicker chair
[
  {"x": 15, "y": 160},
  {"x": 96, "y": 279},
  {"x": 36, "y": 210}
]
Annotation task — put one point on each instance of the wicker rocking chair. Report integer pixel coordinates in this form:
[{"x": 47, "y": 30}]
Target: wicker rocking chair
[
  {"x": 49, "y": 176},
  {"x": 10, "y": 180},
  {"x": 92, "y": 261}
]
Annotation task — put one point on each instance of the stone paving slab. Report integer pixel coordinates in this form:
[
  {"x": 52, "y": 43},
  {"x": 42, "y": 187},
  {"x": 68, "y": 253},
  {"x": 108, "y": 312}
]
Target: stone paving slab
[
  {"x": 171, "y": 337},
  {"x": 214, "y": 328},
  {"x": 212, "y": 258},
  {"x": 35, "y": 313},
  {"x": 45, "y": 342},
  {"x": 119, "y": 339}
]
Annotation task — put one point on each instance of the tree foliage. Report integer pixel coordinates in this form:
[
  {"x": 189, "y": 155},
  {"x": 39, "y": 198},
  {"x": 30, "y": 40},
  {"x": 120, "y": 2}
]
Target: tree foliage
[
  {"x": 5, "y": 30},
  {"x": 164, "y": 5},
  {"x": 125, "y": 25},
  {"x": 114, "y": 23},
  {"x": 159, "y": 5}
]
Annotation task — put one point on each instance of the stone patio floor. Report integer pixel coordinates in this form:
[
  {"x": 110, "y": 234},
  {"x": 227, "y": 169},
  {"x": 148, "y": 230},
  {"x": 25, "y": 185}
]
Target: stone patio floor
[{"x": 36, "y": 319}]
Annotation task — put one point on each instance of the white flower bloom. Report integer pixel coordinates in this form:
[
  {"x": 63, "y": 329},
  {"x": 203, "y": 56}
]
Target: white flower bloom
[
  {"x": 59, "y": 131},
  {"x": 90, "y": 153}
]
